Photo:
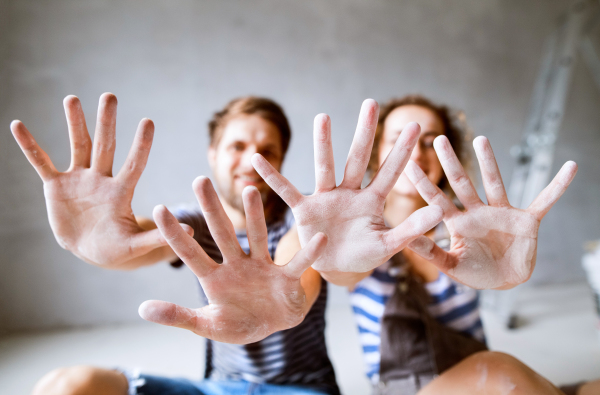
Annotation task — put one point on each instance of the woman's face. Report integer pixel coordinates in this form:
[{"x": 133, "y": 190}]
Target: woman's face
[{"x": 423, "y": 154}]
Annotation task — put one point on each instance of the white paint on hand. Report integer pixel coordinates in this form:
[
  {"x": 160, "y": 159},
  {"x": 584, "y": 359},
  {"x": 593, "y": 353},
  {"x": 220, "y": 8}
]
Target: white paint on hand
[{"x": 483, "y": 370}]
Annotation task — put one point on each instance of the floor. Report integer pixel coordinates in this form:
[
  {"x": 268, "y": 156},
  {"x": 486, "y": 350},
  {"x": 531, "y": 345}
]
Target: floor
[{"x": 558, "y": 338}]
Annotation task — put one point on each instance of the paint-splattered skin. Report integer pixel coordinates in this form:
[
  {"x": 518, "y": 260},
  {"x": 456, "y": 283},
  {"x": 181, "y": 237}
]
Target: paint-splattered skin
[
  {"x": 493, "y": 246},
  {"x": 352, "y": 217},
  {"x": 490, "y": 373},
  {"x": 249, "y": 296}
]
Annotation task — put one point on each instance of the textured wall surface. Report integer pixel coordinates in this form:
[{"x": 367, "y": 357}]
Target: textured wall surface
[{"x": 178, "y": 61}]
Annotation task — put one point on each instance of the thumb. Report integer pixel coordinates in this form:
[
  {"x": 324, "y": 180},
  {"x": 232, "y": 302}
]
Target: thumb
[
  {"x": 306, "y": 256},
  {"x": 411, "y": 228},
  {"x": 188, "y": 229},
  {"x": 428, "y": 250},
  {"x": 171, "y": 314},
  {"x": 149, "y": 240}
]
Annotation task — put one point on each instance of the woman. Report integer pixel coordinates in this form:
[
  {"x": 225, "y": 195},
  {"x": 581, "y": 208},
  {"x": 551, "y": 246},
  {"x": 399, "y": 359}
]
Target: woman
[
  {"x": 453, "y": 305},
  {"x": 410, "y": 315},
  {"x": 416, "y": 324}
]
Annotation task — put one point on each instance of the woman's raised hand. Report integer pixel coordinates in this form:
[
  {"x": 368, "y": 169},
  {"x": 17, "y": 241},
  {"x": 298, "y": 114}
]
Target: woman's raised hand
[
  {"x": 493, "y": 246},
  {"x": 352, "y": 217},
  {"x": 249, "y": 296},
  {"x": 89, "y": 209}
]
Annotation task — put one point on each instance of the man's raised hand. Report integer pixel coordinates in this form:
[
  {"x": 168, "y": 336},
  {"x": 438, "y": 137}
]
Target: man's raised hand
[
  {"x": 89, "y": 209},
  {"x": 352, "y": 217},
  {"x": 249, "y": 296},
  {"x": 493, "y": 246}
]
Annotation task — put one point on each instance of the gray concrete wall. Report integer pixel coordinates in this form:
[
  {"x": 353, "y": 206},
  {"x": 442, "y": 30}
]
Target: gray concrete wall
[
  {"x": 4, "y": 12},
  {"x": 178, "y": 61}
]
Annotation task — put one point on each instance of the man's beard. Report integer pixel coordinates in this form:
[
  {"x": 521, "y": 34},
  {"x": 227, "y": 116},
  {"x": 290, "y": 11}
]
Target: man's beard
[{"x": 273, "y": 205}]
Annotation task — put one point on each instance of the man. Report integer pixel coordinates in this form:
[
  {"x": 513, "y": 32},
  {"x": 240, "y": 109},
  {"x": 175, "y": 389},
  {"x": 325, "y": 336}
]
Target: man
[{"x": 273, "y": 314}]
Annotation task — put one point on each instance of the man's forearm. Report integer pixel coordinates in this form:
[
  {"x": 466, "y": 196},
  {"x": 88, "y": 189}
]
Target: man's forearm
[
  {"x": 311, "y": 282},
  {"x": 287, "y": 248}
]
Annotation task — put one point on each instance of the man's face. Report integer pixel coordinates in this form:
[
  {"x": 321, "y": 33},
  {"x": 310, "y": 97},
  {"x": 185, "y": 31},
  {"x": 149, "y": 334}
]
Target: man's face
[{"x": 242, "y": 137}]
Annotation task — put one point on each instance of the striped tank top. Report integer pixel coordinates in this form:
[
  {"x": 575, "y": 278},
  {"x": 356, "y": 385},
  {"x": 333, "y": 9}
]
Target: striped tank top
[
  {"x": 452, "y": 304},
  {"x": 296, "y": 356}
]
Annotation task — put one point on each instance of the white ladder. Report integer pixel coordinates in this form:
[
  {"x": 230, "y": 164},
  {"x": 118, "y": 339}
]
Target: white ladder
[{"x": 535, "y": 154}]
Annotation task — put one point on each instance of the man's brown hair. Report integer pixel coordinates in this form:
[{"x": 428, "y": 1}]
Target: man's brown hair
[
  {"x": 251, "y": 105},
  {"x": 455, "y": 128}
]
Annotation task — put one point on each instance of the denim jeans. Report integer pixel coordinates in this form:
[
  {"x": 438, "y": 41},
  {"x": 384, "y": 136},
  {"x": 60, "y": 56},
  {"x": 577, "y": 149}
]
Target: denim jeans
[{"x": 154, "y": 385}]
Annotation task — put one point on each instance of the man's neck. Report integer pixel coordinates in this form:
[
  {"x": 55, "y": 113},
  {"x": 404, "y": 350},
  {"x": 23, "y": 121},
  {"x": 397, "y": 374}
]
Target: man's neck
[{"x": 237, "y": 217}]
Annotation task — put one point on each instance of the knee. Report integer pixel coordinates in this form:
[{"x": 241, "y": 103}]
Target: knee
[
  {"x": 492, "y": 357},
  {"x": 493, "y": 364},
  {"x": 490, "y": 372},
  {"x": 67, "y": 381},
  {"x": 497, "y": 362},
  {"x": 502, "y": 371},
  {"x": 79, "y": 380}
]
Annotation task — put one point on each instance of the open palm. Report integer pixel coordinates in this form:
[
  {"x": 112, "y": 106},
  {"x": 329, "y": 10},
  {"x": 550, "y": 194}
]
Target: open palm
[
  {"x": 89, "y": 209},
  {"x": 351, "y": 217},
  {"x": 493, "y": 246},
  {"x": 249, "y": 296}
]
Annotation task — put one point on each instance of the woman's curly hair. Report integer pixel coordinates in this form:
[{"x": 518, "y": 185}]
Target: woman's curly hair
[{"x": 455, "y": 128}]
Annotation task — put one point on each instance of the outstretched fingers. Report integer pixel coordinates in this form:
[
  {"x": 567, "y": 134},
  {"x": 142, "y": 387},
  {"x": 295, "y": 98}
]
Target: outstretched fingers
[
  {"x": 550, "y": 195},
  {"x": 256, "y": 226},
  {"x": 218, "y": 222},
  {"x": 360, "y": 150},
  {"x": 414, "y": 226},
  {"x": 324, "y": 164},
  {"x": 81, "y": 143},
  {"x": 276, "y": 181},
  {"x": 430, "y": 192},
  {"x": 306, "y": 256},
  {"x": 182, "y": 243},
  {"x": 490, "y": 174},
  {"x": 394, "y": 164},
  {"x": 428, "y": 250},
  {"x": 105, "y": 136},
  {"x": 137, "y": 158},
  {"x": 457, "y": 177},
  {"x": 35, "y": 155}
]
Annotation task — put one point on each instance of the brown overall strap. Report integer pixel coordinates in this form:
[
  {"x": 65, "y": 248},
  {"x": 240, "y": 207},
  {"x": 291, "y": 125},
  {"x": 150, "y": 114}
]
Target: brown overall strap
[{"x": 413, "y": 343}]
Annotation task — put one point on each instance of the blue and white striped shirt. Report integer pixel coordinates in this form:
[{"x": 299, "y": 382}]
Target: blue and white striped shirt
[{"x": 452, "y": 304}]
